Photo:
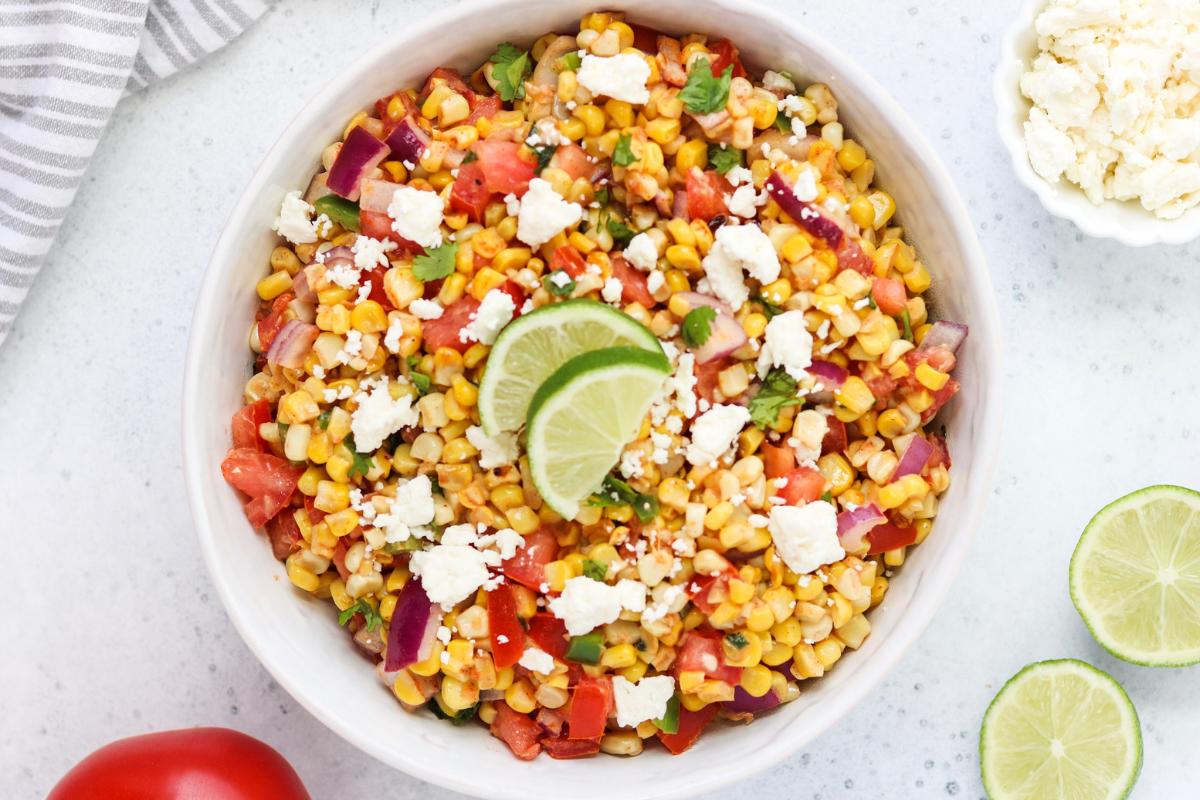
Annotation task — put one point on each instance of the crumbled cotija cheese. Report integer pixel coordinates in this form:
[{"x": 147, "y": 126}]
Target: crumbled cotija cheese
[{"x": 1116, "y": 94}]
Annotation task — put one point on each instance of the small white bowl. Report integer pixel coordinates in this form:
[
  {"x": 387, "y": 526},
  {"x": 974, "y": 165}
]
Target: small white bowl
[
  {"x": 298, "y": 640},
  {"x": 1126, "y": 221}
]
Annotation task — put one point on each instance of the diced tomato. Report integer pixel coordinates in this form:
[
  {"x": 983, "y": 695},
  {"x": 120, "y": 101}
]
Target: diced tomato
[
  {"x": 526, "y": 567},
  {"x": 410, "y": 108},
  {"x": 940, "y": 359},
  {"x": 804, "y": 485},
  {"x": 482, "y": 106},
  {"x": 284, "y": 535},
  {"x": 378, "y": 225},
  {"x": 518, "y": 731},
  {"x": 835, "y": 440},
  {"x": 703, "y": 592},
  {"x": 881, "y": 386},
  {"x": 244, "y": 427},
  {"x": 568, "y": 748},
  {"x": 470, "y": 195},
  {"x": 701, "y": 652},
  {"x": 691, "y": 725},
  {"x": 591, "y": 703},
  {"x": 504, "y": 171},
  {"x": 887, "y": 536},
  {"x": 339, "y": 559},
  {"x": 315, "y": 514},
  {"x": 514, "y": 290},
  {"x": 706, "y": 194},
  {"x": 726, "y": 53},
  {"x": 633, "y": 283},
  {"x": 851, "y": 256},
  {"x": 569, "y": 260},
  {"x": 573, "y": 160},
  {"x": 508, "y": 637},
  {"x": 889, "y": 295},
  {"x": 706, "y": 377},
  {"x": 269, "y": 480},
  {"x": 644, "y": 38},
  {"x": 378, "y": 294},
  {"x": 777, "y": 460},
  {"x": 274, "y": 321},
  {"x": 551, "y": 720},
  {"x": 549, "y": 633},
  {"x": 940, "y": 398},
  {"x": 443, "y": 331},
  {"x": 941, "y": 452},
  {"x": 451, "y": 77}
]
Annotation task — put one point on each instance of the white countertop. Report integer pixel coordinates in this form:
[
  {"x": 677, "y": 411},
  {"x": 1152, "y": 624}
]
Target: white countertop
[{"x": 111, "y": 626}]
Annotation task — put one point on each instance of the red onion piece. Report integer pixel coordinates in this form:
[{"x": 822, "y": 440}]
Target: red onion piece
[
  {"x": 914, "y": 459},
  {"x": 305, "y": 311},
  {"x": 829, "y": 376},
  {"x": 695, "y": 300},
  {"x": 292, "y": 343},
  {"x": 745, "y": 702},
  {"x": 854, "y": 525},
  {"x": 944, "y": 333},
  {"x": 413, "y": 627},
  {"x": 679, "y": 209},
  {"x": 301, "y": 288},
  {"x": 376, "y": 195},
  {"x": 337, "y": 256},
  {"x": 726, "y": 336},
  {"x": 453, "y": 158},
  {"x": 360, "y": 153},
  {"x": 813, "y": 219},
  {"x": 407, "y": 141}
]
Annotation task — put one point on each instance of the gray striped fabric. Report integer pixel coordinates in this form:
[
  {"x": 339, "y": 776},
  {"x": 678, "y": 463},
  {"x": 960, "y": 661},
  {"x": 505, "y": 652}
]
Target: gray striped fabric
[{"x": 64, "y": 65}]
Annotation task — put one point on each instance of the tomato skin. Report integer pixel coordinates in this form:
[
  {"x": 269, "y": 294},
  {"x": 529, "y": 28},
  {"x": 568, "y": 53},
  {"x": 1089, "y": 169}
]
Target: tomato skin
[
  {"x": 591, "y": 703},
  {"x": 549, "y": 633},
  {"x": 835, "y": 440},
  {"x": 273, "y": 322},
  {"x": 804, "y": 485},
  {"x": 726, "y": 53},
  {"x": 778, "y": 461},
  {"x": 889, "y": 295},
  {"x": 568, "y": 748},
  {"x": 706, "y": 376},
  {"x": 450, "y": 77},
  {"x": 209, "y": 763},
  {"x": 284, "y": 534},
  {"x": 573, "y": 160},
  {"x": 244, "y": 427},
  {"x": 378, "y": 225},
  {"x": 569, "y": 260},
  {"x": 701, "y": 652},
  {"x": 704, "y": 587},
  {"x": 443, "y": 331},
  {"x": 691, "y": 725},
  {"x": 502, "y": 621},
  {"x": 706, "y": 194},
  {"x": 887, "y": 536},
  {"x": 470, "y": 194},
  {"x": 269, "y": 480},
  {"x": 518, "y": 731},
  {"x": 633, "y": 283},
  {"x": 378, "y": 294},
  {"x": 526, "y": 567},
  {"x": 482, "y": 107},
  {"x": 410, "y": 107},
  {"x": 504, "y": 171}
]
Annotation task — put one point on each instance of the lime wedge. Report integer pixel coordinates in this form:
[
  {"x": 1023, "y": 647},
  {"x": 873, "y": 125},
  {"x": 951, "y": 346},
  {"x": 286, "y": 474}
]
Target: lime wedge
[
  {"x": 1135, "y": 577},
  {"x": 582, "y": 417},
  {"x": 535, "y": 344},
  {"x": 1060, "y": 729}
]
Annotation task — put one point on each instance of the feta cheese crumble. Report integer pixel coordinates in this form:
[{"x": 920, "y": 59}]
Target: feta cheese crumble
[
  {"x": 544, "y": 213},
  {"x": 379, "y": 415},
  {"x": 493, "y": 314},
  {"x": 537, "y": 660},
  {"x": 425, "y": 309},
  {"x": 715, "y": 431},
  {"x": 642, "y": 252},
  {"x": 788, "y": 344},
  {"x": 450, "y": 573},
  {"x": 806, "y": 536},
  {"x": 409, "y": 512},
  {"x": 611, "y": 291},
  {"x": 737, "y": 248},
  {"x": 371, "y": 253},
  {"x": 294, "y": 222},
  {"x": 417, "y": 216},
  {"x": 621, "y": 77},
  {"x": 494, "y": 451},
  {"x": 646, "y": 699},
  {"x": 586, "y": 604}
]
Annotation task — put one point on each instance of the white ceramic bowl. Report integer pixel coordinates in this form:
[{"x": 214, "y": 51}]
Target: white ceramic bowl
[
  {"x": 1126, "y": 221},
  {"x": 298, "y": 640}
]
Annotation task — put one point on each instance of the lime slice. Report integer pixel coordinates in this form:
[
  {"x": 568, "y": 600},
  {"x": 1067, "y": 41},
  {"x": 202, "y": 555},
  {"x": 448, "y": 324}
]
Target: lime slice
[
  {"x": 582, "y": 417},
  {"x": 1135, "y": 577},
  {"x": 530, "y": 348},
  {"x": 1060, "y": 729}
]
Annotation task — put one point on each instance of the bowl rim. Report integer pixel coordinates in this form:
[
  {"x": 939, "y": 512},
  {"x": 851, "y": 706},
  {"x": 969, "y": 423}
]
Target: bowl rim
[
  {"x": 935, "y": 584},
  {"x": 1064, "y": 199}
]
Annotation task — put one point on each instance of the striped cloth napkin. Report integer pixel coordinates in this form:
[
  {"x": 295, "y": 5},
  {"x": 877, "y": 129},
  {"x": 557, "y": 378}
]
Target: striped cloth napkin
[{"x": 64, "y": 65}]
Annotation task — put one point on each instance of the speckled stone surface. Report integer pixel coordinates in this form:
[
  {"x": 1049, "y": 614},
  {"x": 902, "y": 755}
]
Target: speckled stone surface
[{"x": 110, "y": 624}]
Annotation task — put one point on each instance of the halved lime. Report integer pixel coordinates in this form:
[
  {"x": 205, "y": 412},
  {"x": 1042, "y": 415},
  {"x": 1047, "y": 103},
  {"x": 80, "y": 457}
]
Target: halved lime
[
  {"x": 1135, "y": 577},
  {"x": 582, "y": 417},
  {"x": 533, "y": 345},
  {"x": 1060, "y": 729}
]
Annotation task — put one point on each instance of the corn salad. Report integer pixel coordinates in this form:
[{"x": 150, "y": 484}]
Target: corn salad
[{"x": 737, "y": 547}]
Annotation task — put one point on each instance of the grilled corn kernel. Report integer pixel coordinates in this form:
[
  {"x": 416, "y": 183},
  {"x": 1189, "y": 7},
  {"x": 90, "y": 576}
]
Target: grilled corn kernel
[
  {"x": 619, "y": 656},
  {"x": 693, "y": 153}
]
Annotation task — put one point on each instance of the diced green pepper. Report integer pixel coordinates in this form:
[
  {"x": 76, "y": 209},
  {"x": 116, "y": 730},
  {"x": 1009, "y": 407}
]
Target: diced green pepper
[
  {"x": 670, "y": 721},
  {"x": 586, "y": 649},
  {"x": 342, "y": 211}
]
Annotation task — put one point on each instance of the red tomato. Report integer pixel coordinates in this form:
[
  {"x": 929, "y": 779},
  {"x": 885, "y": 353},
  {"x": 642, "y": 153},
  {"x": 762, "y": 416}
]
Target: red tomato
[
  {"x": 706, "y": 377},
  {"x": 514, "y": 290},
  {"x": 212, "y": 763},
  {"x": 339, "y": 559},
  {"x": 502, "y": 621},
  {"x": 470, "y": 195},
  {"x": 410, "y": 108},
  {"x": 518, "y": 731},
  {"x": 887, "y": 536},
  {"x": 591, "y": 703},
  {"x": 504, "y": 171},
  {"x": 725, "y": 54},
  {"x": 451, "y": 77},
  {"x": 941, "y": 452},
  {"x": 549, "y": 633},
  {"x": 706, "y": 194},
  {"x": 378, "y": 294},
  {"x": 777, "y": 460},
  {"x": 443, "y": 331},
  {"x": 244, "y": 427},
  {"x": 691, "y": 724},
  {"x": 269, "y": 480},
  {"x": 881, "y": 386},
  {"x": 378, "y": 225},
  {"x": 645, "y": 39},
  {"x": 851, "y": 256},
  {"x": 704, "y": 587},
  {"x": 526, "y": 566},
  {"x": 889, "y": 295},
  {"x": 573, "y": 160},
  {"x": 804, "y": 485},
  {"x": 284, "y": 535},
  {"x": 633, "y": 283},
  {"x": 482, "y": 107},
  {"x": 835, "y": 440},
  {"x": 274, "y": 321},
  {"x": 566, "y": 748},
  {"x": 940, "y": 398},
  {"x": 315, "y": 514},
  {"x": 702, "y": 653},
  {"x": 569, "y": 260}
]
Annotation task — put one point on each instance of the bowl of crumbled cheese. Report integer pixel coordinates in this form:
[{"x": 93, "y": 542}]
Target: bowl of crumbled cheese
[{"x": 1099, "y": 104}]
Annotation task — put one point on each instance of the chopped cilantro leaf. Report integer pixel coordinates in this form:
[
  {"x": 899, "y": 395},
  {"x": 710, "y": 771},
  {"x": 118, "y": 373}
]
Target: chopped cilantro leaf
[
  {"x": 871, "y": 301},
  {"x": 827, "y": 497},
  {"x": 470, "y": 156},
  {"x": 908, "y": 332},
  {"x": 461, "y": 718},
  {"x": 435, "y": 263},
  {"x": 572, "y": 61},
  {"x": 697, "y": 325},
  {"x": 704, "y": 92},
  {"x": 723, "y": 159},
  {"x": 418, "y": 379},
  {"x": 361, "y": 606},
  {"x": 602, "y": 196},
  {"x": 544, "y": 154},
  {"x": 783, "y": 123},
  {"x": 362, "y": 461},
  {"x": 512, "y": 66},
  {"x": 778, "y": 391},
  {"x": 737, "y": 639},
  {"x": 559, "y": 288},
  {"x": 623, "y": 153},
  {"x": 596, "y": 570},
  {"x": 616, "y": 492},
  {"x": 769, "y": 309},
  {"x": 323, "y": 419},
  {"x": 620, "y": 232}
]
